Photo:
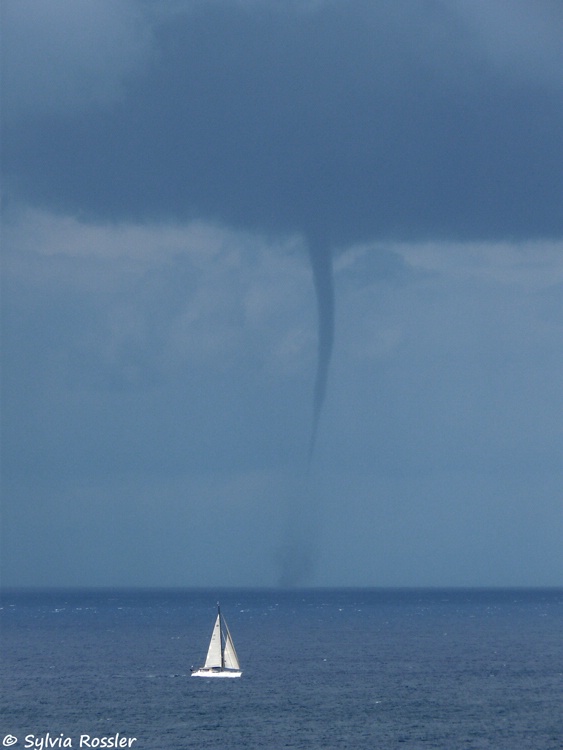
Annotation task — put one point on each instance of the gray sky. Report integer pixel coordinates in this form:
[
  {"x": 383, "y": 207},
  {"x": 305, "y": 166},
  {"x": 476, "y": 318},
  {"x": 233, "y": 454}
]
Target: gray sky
[{"x": 185, "y": 187}]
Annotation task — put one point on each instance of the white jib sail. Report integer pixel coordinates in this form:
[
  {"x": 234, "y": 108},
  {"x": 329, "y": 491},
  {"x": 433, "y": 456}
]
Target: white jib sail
[
  {"x": 231, "y": 658},
  {"x": 213, "y": 658}
]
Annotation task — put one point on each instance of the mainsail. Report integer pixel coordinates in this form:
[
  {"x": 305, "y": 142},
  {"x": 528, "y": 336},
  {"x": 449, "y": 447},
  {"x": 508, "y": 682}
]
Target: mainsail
[{"x": 213, "y": 658}]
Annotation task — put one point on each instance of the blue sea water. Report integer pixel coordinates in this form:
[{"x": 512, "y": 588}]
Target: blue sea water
[{"x": 323, "y": 669}]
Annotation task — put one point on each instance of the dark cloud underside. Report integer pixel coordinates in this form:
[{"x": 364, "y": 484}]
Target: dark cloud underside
[{"x": 350, "y": 121}]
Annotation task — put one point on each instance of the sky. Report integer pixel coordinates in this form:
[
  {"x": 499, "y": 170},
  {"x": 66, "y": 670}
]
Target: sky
[{"x": 282, "y": 293}]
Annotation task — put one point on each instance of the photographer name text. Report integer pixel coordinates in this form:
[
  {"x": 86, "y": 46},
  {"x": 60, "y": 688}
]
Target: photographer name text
[{"x": 43, "y": 742}]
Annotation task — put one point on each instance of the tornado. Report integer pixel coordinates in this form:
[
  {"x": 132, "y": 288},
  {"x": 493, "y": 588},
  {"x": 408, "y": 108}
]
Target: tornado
[{"x": 321, "y": 265}]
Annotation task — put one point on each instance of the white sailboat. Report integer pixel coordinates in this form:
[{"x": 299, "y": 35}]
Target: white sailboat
[{"x": 222, "y": 659}]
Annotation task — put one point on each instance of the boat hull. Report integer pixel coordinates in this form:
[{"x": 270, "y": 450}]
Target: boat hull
[{"x": 217, "y": 673}]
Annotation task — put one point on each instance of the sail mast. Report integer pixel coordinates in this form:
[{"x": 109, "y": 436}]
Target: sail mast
[{"x": 221, "y": 637}]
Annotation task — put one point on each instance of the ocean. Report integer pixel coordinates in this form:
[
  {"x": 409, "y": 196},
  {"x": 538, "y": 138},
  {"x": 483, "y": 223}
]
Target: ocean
[{"x": 322, "y": 669}]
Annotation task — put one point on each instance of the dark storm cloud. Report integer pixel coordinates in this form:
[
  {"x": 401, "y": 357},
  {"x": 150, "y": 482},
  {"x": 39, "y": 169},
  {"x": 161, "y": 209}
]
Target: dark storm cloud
[{"x": 343, "y": 120}]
